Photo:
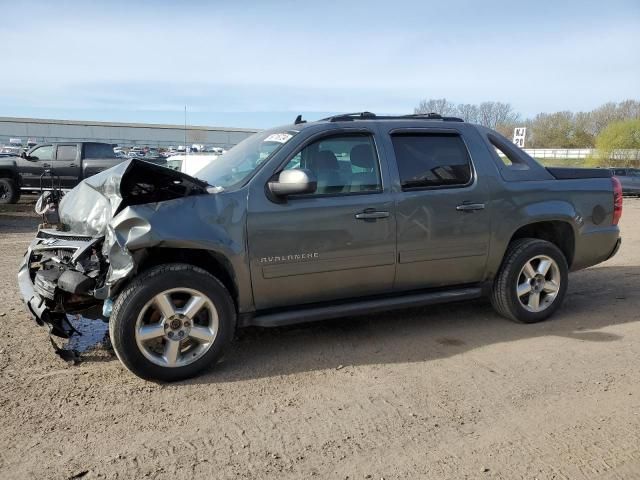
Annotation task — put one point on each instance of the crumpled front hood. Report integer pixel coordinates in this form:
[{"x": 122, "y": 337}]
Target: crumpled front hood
[{"x": 90, "y": 206}]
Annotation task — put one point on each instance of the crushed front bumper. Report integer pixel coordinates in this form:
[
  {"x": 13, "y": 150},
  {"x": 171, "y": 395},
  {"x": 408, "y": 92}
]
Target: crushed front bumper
[
  {"x": 34, "y": 302},
  {"x": 38, "y": 294},
  {"x": 56, "y": 322}
]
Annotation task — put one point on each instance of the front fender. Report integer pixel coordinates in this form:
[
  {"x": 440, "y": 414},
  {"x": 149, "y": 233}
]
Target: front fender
[
  {"x": 214, "y": 223},
  {"x": 8, "y": 168}
]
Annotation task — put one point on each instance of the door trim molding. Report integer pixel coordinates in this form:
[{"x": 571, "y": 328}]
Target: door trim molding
[{"x": 327, "y": 265}]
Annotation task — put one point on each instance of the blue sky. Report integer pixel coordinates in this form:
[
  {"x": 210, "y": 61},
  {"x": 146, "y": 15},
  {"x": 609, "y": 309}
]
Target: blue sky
[{"x": 257, "y": 64}]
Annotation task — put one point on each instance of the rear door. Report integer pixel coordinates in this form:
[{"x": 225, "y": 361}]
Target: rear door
[
  {"x": 66, "y": 165},
  {"x": 338, "y": 242},
  {"x": 442, "y": 210}
]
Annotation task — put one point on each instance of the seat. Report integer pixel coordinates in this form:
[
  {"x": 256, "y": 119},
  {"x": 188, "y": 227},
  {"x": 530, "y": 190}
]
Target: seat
[
  {"x": 327, "y": 171},
  {"x": 362, "y": 156}
]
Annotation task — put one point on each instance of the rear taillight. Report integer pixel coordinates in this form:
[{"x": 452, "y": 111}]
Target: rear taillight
[{"x": 617, "y": 200}]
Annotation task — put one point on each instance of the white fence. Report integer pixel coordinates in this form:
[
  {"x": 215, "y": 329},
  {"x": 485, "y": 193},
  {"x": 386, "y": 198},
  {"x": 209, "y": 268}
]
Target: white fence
[{"x": 561, "y": 153}]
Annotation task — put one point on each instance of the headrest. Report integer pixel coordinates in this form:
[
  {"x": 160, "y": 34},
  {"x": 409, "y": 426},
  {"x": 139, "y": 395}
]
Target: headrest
[
  {"x": 325, "y": 160},
  {"x": 362, "y": 156}
]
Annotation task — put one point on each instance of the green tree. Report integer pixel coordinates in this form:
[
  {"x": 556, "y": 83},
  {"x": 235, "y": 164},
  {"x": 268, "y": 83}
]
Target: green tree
[{"x": 616, "y": 137}]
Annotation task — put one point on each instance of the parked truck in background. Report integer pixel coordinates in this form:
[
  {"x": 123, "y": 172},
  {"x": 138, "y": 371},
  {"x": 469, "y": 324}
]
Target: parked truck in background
[
  {"x": 629, "y": 178},
  {"x": 64, "y": 164}
]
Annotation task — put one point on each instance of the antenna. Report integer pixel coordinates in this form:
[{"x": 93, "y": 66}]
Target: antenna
[{"x": 186, "y": 151}]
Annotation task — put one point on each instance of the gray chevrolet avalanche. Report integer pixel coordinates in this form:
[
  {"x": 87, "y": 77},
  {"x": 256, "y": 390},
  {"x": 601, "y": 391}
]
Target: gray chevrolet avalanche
[{"x": 348, "y": 215}]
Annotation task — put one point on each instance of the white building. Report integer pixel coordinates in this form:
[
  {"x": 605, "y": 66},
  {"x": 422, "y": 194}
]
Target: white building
[{"x": 43, "y": 130}]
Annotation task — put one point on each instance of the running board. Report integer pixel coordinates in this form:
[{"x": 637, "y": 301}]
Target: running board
[{"x": 359, "y": 307}]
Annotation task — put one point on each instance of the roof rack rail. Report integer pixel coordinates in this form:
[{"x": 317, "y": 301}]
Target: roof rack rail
[
  {"x": 349, "y": 117},
  {"x": 434, "y": 116}
]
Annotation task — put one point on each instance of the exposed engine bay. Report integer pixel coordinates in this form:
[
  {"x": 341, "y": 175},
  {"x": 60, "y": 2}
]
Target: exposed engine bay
[{"x": 66, "y": 270}]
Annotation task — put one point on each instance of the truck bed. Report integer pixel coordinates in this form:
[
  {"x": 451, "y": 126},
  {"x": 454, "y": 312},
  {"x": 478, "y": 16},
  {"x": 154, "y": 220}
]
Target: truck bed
[{"x": 564, "y": 173}]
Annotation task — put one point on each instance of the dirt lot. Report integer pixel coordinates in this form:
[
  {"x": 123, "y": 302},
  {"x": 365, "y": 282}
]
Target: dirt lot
[{"x": 447, "y": 392}]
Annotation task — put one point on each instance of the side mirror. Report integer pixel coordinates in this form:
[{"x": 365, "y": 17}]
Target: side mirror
[
  {"x": 294, "y": 182},
  {"x": 24, "y": 155}
]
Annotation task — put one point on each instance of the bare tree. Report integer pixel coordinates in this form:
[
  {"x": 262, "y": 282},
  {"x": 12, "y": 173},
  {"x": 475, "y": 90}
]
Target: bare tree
[
  {"x": 490, "y": 114},
  {"x": 545, "y": 130},
  {"x": 629, "y": 110},
  {"x": 468, "y": 112},
  {"x": 440, "y": 106},
  {"x": 495, "y": 114}
]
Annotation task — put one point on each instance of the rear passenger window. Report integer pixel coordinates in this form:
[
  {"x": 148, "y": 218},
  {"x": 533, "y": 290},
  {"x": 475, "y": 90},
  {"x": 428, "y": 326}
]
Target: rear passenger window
[
  {"x": 67, "y": 153},
  {"x": 342, "y": 164},
  {"x": 98, "y": 150},
  {"x": 431, "y": 160}
]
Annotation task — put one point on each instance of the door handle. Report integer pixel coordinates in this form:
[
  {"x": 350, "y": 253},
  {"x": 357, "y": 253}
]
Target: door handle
[
  {"x": 46, "y": 165},
  {"x": 371, "y": 214},
  {"x": 470, "y": 207}
]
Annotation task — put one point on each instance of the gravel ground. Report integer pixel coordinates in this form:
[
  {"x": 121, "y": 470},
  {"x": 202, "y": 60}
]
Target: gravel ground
[{"x": 452, "y": 391}]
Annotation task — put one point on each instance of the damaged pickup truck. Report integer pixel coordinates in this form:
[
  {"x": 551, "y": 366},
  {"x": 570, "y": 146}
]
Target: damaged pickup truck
[{"x": 348, "y": 215}]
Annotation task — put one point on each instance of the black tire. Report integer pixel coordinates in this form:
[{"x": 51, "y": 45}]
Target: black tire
[
  {"x": 140, "y": 291},
  {"x": 504, "y": 296},
  {"x": 9, "y": 192}
]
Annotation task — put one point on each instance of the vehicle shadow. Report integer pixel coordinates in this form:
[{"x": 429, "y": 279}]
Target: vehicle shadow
[{"x": 598, "y": 298}]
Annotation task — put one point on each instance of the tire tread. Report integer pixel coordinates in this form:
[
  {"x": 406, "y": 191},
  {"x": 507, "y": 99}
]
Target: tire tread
[
  {"x": 117, "y": 329},
  {"x": 500, "y": 293}
]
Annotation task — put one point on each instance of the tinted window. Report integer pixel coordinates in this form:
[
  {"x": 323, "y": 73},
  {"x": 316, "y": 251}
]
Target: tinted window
[
  {"x": 42, "y": 153},
  {"x": 98, "y": 150},
  {"x": 341, "y": 164},
  {"x": 67, "y": 153},
  {"x": 431, "y": 160}
]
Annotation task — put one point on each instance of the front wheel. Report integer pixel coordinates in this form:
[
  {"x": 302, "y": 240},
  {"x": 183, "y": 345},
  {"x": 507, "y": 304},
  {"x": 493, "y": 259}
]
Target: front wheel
[
  {"x": 532, "y": 281},
  {"x": 171, "y": 322},
  {"x": 9, "y": 192}
]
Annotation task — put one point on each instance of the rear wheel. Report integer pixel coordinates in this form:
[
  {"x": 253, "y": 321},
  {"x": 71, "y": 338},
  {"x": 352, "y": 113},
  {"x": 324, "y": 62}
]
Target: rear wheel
[
  {"x": 532, "y": 281},
  {"x": 9, "y": 192},
  {"x": 172, "y": 322}
]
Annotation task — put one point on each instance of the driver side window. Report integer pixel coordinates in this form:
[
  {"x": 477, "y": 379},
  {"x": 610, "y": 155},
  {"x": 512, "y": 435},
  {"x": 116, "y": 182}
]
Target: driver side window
[
  {"x": 43, "y": 153},
  {"x": 342, "y": 164}
]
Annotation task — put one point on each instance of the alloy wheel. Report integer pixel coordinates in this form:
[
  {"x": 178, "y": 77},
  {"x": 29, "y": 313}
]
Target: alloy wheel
[
  {"x": 538, "y": 283},
  {"x": 176, "y": 327}
]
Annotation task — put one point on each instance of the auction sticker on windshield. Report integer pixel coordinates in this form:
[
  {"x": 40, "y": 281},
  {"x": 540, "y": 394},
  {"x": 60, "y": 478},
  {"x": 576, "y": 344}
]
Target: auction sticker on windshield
[{"x": 278, "y": 137}]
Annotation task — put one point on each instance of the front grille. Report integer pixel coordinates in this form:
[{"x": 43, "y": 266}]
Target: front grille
[{"x": 73, "y": 238}]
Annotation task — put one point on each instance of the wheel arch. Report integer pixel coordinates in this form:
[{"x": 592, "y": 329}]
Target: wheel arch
[
  {"x": 559, "y": 232},
  {"x": 9, "y": 173},
  {"x": 213, "y": 262}
]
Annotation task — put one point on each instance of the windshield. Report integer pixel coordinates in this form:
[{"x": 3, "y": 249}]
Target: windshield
[{"x": 238, "y": 164}]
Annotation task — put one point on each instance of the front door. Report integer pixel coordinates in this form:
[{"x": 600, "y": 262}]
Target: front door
[
  {"x": 442, "y": 212},
  {"x": 31, "y": 170},
  {"x": 338, "y": 242}
]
